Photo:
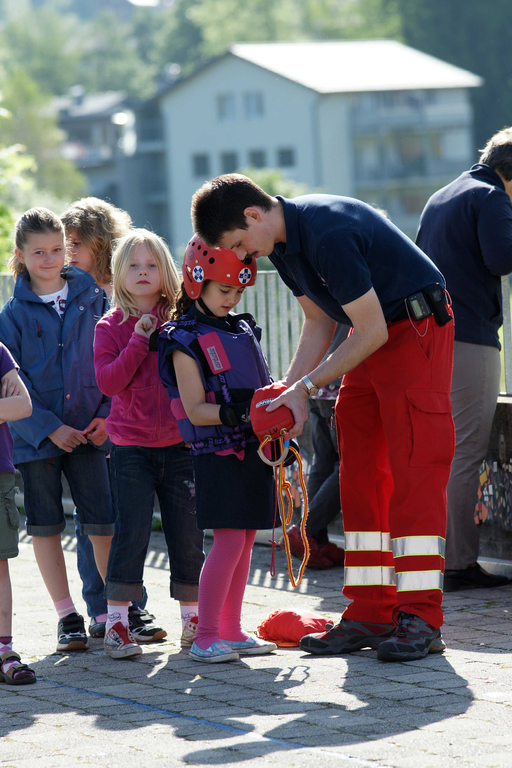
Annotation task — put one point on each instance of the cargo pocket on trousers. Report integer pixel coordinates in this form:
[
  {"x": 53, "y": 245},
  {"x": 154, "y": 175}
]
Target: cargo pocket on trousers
[
  {"x": 433, "y": 434},
  {"x": 13, "y": 516}
]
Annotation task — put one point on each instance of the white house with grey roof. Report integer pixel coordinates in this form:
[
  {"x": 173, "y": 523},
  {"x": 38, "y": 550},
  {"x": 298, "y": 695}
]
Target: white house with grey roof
[{"x": 370, "y": 119}]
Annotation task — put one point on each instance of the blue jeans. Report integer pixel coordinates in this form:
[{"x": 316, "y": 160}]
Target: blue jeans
[
  {"x": 92, "y": 583},
  {"x": 324, "y": 478},
  {"x": 136, "y": 474},
  {"x": 87, "y": 474}
]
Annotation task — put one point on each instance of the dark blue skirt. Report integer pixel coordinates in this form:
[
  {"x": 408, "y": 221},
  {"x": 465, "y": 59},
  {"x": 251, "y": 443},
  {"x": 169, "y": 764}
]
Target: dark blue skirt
[{"x": 234, "y": 494}]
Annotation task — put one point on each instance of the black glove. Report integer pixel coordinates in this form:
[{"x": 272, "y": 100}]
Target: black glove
[{"x": 235, "y": 414}]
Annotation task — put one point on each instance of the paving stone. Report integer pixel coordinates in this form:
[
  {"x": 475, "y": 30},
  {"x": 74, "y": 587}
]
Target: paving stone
[{"x": 448, "y": 711}]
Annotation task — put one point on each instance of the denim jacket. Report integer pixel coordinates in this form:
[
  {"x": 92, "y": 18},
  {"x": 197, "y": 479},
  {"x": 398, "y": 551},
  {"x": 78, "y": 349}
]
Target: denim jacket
[{"x": 56, "y": 361}]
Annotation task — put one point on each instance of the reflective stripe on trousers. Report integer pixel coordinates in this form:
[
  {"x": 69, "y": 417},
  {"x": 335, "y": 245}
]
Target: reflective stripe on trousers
[
  {"x": 411, "y": 546},
  {"x": 369, "y": 576},
  {"x": 416, "y": 581},
  {"x": 403, "y": 547},
  {"x": 375, "y": 541}
]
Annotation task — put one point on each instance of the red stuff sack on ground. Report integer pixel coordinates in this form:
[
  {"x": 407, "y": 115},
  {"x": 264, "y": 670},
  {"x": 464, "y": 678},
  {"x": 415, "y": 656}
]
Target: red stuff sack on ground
[{"x": 286, "y": 627}]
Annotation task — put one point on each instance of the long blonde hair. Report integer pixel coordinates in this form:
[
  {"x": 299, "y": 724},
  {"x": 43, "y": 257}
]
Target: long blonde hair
[{"x": 170, "y": 282}]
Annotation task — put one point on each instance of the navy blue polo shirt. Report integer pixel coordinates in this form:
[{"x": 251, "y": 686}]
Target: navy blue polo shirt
[
  {"x": 338, "y": 248},
  {"x": 466, "y": 229}
]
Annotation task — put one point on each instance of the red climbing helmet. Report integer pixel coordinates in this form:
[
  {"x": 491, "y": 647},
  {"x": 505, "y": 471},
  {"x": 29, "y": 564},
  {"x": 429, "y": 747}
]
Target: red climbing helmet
[{"x": 202, "y": 263}]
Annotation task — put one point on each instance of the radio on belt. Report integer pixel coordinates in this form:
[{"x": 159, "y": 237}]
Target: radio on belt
[{"x": 418, "y": 306}]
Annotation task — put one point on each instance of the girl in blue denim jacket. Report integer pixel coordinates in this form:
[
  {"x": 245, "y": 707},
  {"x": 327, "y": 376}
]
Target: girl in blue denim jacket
[{"x": 48, "y": 326}]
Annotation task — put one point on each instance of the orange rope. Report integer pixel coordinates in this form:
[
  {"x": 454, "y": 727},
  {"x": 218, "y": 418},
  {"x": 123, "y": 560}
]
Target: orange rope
[{"x": 283, "y": 488}]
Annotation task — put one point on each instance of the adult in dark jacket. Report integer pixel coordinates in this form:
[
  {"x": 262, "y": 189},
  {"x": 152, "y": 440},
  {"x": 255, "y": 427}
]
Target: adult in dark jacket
[
  {"x": 347, "y": 263},
  {"x": 466, "y": 229}
]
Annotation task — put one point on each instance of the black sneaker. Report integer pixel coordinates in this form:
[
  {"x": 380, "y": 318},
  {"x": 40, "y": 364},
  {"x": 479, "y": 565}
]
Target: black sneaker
[
  {"x": 412, "y": 639},
  {"x": 96, "y": 628},
  {"x": 472, "y": 576},
  {"x": 71, "y": 634},
  {"x": 345, "y": 637},
  {"x": 143, "y": 627}
]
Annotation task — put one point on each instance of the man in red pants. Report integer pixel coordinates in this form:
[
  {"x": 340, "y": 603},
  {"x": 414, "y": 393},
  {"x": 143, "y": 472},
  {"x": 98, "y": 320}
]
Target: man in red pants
[{"x": 347, "y": 263}]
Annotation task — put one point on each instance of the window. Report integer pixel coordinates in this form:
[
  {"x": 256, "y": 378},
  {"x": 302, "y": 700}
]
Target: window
[
  {"x": 228, "y": 162},
  {"x": 226, "y": 108},
  {"x": 200, "y": 165},
  {"x": 285, "y": 158},
  {"x": 253, "y": 104},
  {"x": 257, "y": 158}
]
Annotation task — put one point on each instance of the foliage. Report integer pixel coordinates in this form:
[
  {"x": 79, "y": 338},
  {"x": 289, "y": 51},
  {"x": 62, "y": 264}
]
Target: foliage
[
  {"x": 46, "y": 43},
  {"x": 6, "y": 226},
  {"x": 34, "y": 126},
  {"x": 14, "y": 182},
  {"x": 111, "y": 59},
  {"x": 267, "y": 20}
]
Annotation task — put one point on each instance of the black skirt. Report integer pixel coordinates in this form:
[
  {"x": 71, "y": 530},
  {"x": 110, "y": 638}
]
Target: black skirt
[{"x": 234, "y": 494}]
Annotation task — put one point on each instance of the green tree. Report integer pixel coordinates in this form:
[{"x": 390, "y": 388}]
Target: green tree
[
  {"x": 47, "y": 43},
  {"x": 226, "y": 21},
  {"x": 33, "y": 126},
  {"x": 15, "y": 181},
  {"x": 111, "y": 60}
]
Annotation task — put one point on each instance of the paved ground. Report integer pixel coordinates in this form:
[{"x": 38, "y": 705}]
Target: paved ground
[{"x": 287, "y": 709}]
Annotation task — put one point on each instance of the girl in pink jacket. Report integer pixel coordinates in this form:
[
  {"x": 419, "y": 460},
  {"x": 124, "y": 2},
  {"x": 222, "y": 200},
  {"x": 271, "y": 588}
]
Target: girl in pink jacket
[{"x": 148, "y": 454}]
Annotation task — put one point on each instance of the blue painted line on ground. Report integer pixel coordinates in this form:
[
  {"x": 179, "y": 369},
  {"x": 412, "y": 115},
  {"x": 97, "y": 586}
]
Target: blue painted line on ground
[{"x": 202, "y": 721}]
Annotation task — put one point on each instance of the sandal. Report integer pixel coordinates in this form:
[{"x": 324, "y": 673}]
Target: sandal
[{"x": 20, "y": 674}]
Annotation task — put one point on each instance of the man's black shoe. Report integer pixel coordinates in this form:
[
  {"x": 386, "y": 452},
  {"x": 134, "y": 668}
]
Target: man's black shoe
[
  {"x": 412, "y": 639},
  {"x": 345, "y": 637},
  {"x": 472, "y": 576}
]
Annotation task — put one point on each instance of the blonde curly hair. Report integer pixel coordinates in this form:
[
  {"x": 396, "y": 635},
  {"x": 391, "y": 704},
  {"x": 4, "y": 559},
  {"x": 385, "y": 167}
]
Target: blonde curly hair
[{"x": 98, "y": 225}]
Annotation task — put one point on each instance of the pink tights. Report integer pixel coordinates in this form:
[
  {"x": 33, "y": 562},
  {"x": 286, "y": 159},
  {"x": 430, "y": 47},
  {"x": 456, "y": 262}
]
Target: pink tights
[{"x": 222, "y": 586}]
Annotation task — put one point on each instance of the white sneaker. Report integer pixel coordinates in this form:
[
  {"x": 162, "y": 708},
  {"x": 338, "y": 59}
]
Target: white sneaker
[
  {"x": 189, "y": 632},
  {"x": 217, "y": 652},
  {"x": 253, "y": 646},
  {"x": 119, "y": 642}
]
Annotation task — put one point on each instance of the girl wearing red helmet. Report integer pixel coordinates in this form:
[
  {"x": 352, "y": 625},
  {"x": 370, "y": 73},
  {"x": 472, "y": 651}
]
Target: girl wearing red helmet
[{"x": 210, "y": 363}]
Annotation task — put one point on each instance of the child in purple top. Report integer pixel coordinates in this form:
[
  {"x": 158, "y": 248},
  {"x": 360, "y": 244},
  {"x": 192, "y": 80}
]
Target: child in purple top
[{"x": 14, "y": 404}]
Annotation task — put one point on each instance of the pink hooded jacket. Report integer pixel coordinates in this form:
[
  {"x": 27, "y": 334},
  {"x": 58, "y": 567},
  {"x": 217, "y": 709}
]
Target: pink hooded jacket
[{"x": 127, "y": 372}]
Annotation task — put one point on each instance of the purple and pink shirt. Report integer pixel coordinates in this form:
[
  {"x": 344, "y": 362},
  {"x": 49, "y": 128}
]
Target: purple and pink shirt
[
  {"x": 127, "y": 371},
  {"x": 7, "y": 363}
]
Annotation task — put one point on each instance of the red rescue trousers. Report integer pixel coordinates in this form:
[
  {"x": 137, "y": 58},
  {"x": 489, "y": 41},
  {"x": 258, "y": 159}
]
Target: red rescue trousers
[{"x": 396, "y": 442}]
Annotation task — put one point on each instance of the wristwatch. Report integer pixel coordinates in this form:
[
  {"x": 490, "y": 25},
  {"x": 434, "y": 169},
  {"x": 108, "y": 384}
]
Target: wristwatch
[{"x": 312, "y": 388}]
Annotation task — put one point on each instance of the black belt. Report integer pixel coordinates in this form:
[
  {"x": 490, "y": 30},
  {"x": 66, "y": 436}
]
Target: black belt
[{"x": 402, "y": 315}]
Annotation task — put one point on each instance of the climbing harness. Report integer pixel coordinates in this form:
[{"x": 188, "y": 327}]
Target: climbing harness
[{"x": 272, "y": 429}]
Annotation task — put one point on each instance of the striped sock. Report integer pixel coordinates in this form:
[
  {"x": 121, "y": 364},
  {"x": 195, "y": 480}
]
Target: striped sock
[{"x": 65, "y": 607}]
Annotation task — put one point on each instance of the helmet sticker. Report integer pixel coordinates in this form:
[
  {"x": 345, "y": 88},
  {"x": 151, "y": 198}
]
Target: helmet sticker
[
  {"x": 198, "y": 274},
  {"x": 244, "y": 275}
]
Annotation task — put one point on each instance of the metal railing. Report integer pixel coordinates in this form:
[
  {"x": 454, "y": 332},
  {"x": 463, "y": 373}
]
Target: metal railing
[
  {"x": 280, "y": 317},
  {"x": 506, "y": 352},
  {"x": 272, "y": 304}
]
